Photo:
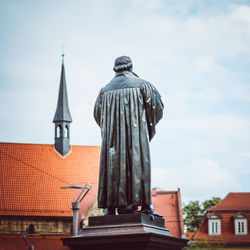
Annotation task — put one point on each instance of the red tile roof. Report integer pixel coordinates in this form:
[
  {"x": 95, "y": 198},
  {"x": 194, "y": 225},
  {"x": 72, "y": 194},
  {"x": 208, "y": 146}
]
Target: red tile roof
[
  {"x": 168, "y": 204},
  {"x": 227, "y": 208},
  {"x": 32, "y": 174},
  {"x": 233, "y": 202},
  {"x": 39, "y": 242}
]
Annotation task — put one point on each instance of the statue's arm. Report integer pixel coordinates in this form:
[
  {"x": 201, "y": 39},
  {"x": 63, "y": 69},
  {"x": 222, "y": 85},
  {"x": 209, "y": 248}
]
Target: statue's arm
[
  {"x": 98, "y": 109},
  {"x": 153, "y": 106}
]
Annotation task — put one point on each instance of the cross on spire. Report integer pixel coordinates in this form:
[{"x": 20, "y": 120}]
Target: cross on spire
[{"x": 63, "y": 47}]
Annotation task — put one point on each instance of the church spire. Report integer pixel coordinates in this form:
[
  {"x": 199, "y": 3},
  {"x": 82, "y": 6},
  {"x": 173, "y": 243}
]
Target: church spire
[
  {"x": 62, "y": 111},
  {"x": 62, "y": 118}
]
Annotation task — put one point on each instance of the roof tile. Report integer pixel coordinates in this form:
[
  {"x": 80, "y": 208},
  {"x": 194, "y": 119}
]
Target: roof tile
[
  {"x": 233, "y": 202},
  {"x": 32, "y": 174}
]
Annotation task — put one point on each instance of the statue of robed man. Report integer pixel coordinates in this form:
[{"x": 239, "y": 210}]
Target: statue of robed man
[{"x": 127, "y": 110}]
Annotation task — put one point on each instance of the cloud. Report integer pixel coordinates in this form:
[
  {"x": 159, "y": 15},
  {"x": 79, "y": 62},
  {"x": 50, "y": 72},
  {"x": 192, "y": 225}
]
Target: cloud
[
  {"x": 205, "y": 64},
  {"x": 205, "y": 147},
  {"x": 184, "y": 100},
  {"x": 244, "y": 154},
  {"x": 146, "y": 4},
  {"x": 241, "y": 13},
  {"x": 240, "y": 92},
  {"x": 226, "y": 126},
  {"x": 201, "y": 179}
]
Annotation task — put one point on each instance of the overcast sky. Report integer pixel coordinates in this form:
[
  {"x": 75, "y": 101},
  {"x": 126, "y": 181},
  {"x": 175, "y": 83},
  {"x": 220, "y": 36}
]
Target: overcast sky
[{"x": 197, "y": 54}]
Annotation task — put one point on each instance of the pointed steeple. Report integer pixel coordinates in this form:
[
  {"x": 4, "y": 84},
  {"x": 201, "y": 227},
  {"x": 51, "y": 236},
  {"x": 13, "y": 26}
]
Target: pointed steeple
[
  {"x": 62, "y": 110},
  {"x": 62, "y": 118}
]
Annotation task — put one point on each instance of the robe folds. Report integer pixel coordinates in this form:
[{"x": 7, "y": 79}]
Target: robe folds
[{"x": 127, "y": 111}]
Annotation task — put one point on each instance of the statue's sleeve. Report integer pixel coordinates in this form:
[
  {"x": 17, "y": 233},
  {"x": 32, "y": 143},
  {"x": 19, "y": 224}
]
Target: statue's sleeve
[
  {"x": 153, "y": 107},
  {"x": 98, "y": 109}
]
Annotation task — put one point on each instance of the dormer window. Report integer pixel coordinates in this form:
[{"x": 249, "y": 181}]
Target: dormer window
[
  {"x": 240, "y": 224},
  {"x": 214, "y": 224}
]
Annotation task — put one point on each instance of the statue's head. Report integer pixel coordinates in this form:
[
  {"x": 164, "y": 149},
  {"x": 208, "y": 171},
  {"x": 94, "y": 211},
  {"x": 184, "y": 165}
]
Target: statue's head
[{"x": 123, "y": 63}]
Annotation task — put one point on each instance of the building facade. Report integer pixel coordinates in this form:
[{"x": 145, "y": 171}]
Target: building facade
[
  {"x": 168, "y": 204},
  {"x": 227, "y": 223}
]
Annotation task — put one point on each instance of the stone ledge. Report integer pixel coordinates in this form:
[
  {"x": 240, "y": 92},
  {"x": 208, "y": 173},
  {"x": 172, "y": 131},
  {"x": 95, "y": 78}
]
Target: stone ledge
[
  {"x": 127, "y": 219},
  {"x": 133, "y": 235}
]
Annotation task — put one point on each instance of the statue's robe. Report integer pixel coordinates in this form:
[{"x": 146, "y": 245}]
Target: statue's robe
[{"x": 127, "y": 110}]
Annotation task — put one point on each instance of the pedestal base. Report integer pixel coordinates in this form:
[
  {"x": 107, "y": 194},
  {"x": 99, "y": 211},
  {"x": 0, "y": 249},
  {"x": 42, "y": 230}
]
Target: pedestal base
[{"x": 125, "y": 232}]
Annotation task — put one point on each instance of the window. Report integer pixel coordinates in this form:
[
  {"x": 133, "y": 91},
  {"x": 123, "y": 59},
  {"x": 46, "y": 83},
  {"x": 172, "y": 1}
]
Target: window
[
  {"x": 67, "y": 131},
  {"x": 214, "y": 227},
  {"x": 240, "y": 223},
  {"x": 240, "y": 226},
  {"x": 31, "y": 229},
  {"x": 58, "y": 131}
]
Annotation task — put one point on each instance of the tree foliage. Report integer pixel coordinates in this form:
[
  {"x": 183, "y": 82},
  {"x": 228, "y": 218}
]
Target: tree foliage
[{"x": 194, "y": 212}]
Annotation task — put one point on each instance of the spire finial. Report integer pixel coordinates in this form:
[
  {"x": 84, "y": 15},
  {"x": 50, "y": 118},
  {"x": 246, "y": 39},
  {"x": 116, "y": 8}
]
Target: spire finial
[{"x": 63, "y": 47}]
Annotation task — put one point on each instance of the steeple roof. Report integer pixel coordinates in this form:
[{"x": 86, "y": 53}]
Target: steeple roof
[{"x": 62, "y": 110}]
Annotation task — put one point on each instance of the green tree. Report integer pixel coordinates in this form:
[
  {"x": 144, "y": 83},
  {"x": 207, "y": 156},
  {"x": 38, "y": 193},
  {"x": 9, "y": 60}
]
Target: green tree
[
  {"x": 194, "y": 212},
  {"x": 210, "y": 203}
]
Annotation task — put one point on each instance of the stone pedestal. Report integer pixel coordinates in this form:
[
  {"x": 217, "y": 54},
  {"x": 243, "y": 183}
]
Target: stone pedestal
[{"x": 127, "y": 231}]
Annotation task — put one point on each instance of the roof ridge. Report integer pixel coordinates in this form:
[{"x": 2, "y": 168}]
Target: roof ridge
[
  {"x": 239, "y": 193},
  {"x": 228, "y": 203},
  {"x": 45, "y": 144},
  {"x": 26, "y": 143}
]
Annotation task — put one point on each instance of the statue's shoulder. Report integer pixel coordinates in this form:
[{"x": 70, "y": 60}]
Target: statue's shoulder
[
  {"x": 147, "y": 84},
  {"x": 123, "y": 80}
]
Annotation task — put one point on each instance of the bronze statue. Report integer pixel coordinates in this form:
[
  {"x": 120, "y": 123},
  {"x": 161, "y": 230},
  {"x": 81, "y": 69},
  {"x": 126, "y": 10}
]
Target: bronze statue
[{"x": 127, "y": 110}]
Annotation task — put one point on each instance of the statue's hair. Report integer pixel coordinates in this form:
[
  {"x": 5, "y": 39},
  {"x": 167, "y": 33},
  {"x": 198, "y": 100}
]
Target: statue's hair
[{"x": 122, "y": 63}]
